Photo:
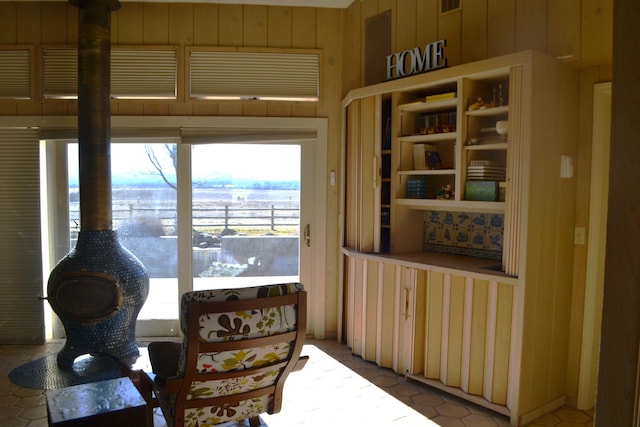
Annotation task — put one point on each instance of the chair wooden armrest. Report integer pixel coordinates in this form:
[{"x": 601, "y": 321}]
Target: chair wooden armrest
[{"x": 300, "y": 363}]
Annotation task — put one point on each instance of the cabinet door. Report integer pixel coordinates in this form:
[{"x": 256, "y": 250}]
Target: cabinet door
[{"x": 362, "y": 190}]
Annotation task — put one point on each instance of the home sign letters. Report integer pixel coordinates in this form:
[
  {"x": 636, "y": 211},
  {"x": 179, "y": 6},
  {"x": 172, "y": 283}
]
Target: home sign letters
[{"x": 417, "y": 62}]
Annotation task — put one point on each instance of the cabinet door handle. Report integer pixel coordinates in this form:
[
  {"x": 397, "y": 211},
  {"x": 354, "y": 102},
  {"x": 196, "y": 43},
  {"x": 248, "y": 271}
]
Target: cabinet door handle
[{"x": 307, "y": 235}]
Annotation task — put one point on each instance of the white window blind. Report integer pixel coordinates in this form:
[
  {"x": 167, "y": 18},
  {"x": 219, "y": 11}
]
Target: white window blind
[
  {"x": 254, "y": 75},
  {"x": 21, "y": 312},
  {"x": 15, "y": 74},
  {"x": 135, "y": 74}
]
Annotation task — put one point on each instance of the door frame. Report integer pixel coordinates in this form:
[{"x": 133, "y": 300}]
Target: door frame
[
  {"x": 597, "y": 232},
  {"x": 313, "y": 260}
]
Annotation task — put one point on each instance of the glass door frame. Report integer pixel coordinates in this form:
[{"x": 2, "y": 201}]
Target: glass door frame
[{"x": 312, "y": 204}]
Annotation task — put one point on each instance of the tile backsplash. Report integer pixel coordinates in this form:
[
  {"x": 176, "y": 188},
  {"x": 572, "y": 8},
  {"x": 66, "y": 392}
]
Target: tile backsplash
[{"x": 464, "y": 233}]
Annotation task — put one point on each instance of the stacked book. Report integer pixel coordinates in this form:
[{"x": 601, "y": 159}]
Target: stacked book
[
  {"x": 416, "y": 187},
  {"x": 486, "y": 170}
]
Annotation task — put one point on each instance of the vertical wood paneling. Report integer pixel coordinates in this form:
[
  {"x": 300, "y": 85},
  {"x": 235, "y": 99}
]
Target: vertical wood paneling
[
  {"x": 371, "y": 310},
  {"x": 474, "y": 31},
  {"x": 254, "y": 26},
  {"x": 456, "y": 321},
  {"x": 450, "y": 29},
  {"x": 563, "y": 28},
  {"x": 501, "y": 27},
  {"x": 596, "y": 31},
  {"x": 387, "y": 321},
  {"x": 358, "y": 306},
  {"x": 280, "y": 27},
  {"x": 28, "y": 18},
  {"x": 502, "y": 344},
  {"x": 367, "y": 149},
  {"x": 531, "y": 25},
  {"x": 230, "y": 25},
  {"x": 54, "y": 27},
  {"x": 181, "y": 23},
  {"x": 427, "y": 19},
  {"x": 352, "y": 52},
  {"x": 129, "y": 24},
  {"x": 8, "y": 22},
  {"x": 405, "y": 28},
  {"x": 156, "y": 23},
  {"x": 205, "y": 24},
  {"x": 351, "y": 165},
  {"x": 350, "y": 310},
  {"x": 435, "y": 304},
  {"x": 420, "y": 321},
  {"x": 304, "y": 27},
  {"x": 477, "y": 347}
]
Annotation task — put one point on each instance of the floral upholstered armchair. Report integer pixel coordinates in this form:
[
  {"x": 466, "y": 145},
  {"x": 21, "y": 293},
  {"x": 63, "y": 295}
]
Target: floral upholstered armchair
[{"x": 239, "y": 346}]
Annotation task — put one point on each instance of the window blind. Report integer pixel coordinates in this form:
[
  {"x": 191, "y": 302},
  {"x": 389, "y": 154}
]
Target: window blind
[
  {"x": 254, "y": 75},
  {"x": 15, "y": 74},
  {"x": 135, "y": 74}
]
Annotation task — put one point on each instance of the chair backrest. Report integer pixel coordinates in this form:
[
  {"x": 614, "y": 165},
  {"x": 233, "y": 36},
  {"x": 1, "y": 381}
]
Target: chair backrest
[{"x": 239, "y": 346}]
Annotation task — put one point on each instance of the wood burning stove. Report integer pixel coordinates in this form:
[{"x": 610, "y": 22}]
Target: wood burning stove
[{"x": 98, "y": 289}]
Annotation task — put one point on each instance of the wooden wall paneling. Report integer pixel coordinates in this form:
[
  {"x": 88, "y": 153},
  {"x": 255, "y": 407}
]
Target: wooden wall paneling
[
  {"x": 358, "y": 306},
  {"x": 129, "y": 24},
  {"x": 450, "y": 29},
  {"x": 370, "y": 329},
  {"x": 8, "y": 22},
  {"x": 502, "y": 349},
  {"x": 230, "y": 24},
  {"x": 127, "y": 108},
  {"x": 205, "y": 24},
  {"x": 406, "y": 26},
  {"x": 279, "y": 30},
  {"x": 477, "y": 292},
  {"x": 255, "y": 109},
  {"x": 230, "y": 108},
  {"x": 456, "y": 322},
  {"x": 304, "y": 109},
  {"x": 501, "y": 27},
  {"x": 368, "y": 9},
  {"x": 72, "y": 24},
  {"x": 419, "y": 322},
  {"x": 28, "y": 23},
  {"x": 387, "y": 320},
  {"x": 54, "y": 27},
  {"x": 367, "y": 191},
  {"x": 156, "y": 23},
  {"x": 254, "y": 26},
  {"x": 279, "y": 109},
  {"x": 180, "y": 109},
  {"x": 427, "y": 22},
  {"x": 349, "y": 263},
  {"x": 435, "y": 304},
  {"x": 563, "y": 29},
  {"x": 205, "y": 108},
  {"x": 328, "y": 37},
  {"x": 531, "y": 25},
  {"x": 352, "y": 214},
  {"x": 490, "y": 345},
  {"x": 596, "y": 32},
  {"x": 474, "y": 31},
  {"x": 304, "y": 25},
  {"x": 155, "y": 109},
  {"x": 181, "y": 23},
  {"x": 352, "y": 58}
]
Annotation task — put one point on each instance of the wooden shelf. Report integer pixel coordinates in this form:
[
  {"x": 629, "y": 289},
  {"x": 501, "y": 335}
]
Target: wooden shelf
[
  {"x": 482, "y": 147},
  {"x": 434, "y": 137},
  {"x": 428, "y": 172},
  {"x": 488, "y": 112},
  {"x": 453, "y": 205},
  {"x": 424, "y": 107}
]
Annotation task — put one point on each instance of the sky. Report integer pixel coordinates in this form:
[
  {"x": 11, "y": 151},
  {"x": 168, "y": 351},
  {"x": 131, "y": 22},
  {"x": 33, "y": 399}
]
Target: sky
[{"x": 266, "y": 162}]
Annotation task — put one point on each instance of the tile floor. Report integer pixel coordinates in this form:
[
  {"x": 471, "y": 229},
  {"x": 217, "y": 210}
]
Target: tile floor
[{"x": 334, "y": 389}]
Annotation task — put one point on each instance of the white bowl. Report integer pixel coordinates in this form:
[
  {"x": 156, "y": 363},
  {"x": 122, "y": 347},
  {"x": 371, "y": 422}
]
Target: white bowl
[{"x": 502, "y": 127}]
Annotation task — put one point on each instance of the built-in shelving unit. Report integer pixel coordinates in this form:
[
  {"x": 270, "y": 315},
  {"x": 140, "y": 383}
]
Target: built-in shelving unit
[{"x": 461, "y": 319}]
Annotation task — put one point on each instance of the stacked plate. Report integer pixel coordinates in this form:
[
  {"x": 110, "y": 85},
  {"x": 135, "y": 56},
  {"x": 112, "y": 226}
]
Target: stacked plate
[{"x": 486, "y": 172}]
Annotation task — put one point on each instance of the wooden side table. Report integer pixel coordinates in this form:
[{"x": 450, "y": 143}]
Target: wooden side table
[{"x": 108, "y": 403}]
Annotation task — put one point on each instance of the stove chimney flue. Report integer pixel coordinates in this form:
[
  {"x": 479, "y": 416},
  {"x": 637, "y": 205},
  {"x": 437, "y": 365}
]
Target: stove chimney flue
[{"x": 94, "y": 111}]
